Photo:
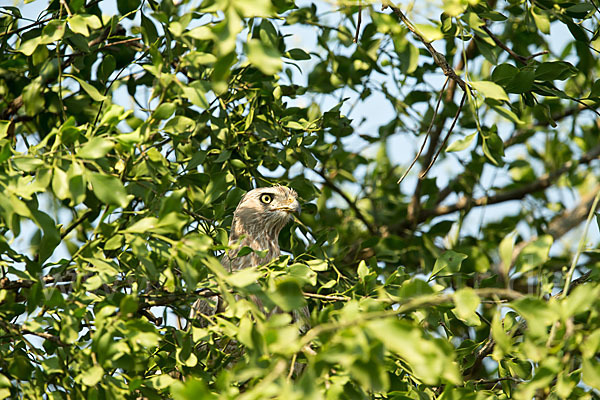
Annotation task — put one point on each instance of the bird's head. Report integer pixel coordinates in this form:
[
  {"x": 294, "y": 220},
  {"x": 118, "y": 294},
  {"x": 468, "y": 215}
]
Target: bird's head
[{"x": 265, "y": 210}]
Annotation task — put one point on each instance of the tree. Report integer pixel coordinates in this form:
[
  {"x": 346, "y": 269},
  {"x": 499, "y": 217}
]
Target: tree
[{"x": 130, "y": 131}]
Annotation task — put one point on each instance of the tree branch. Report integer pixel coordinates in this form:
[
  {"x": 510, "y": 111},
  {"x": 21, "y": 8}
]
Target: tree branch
[
  {"x": 563, "y": 223},
  {"x": 329, "y": 183},
  {"x": 20, "y": 331},
  {"x": 542, "y": 183},
  {"x": 519, "y": 58},
  {"x": 438, "y": 58}
]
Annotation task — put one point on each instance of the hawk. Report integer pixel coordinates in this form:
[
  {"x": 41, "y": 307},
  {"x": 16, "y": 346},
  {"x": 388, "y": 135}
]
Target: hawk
[{"x": 257, "y": 221}]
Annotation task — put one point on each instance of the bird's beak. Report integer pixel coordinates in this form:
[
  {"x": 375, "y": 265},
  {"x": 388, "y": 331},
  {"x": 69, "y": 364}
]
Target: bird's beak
[{"x": 292, "y": 207}]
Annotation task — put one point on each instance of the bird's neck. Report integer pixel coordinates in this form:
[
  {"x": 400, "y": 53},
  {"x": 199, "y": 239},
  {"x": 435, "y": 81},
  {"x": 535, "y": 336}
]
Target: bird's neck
[{"x": 256, "y": 236}]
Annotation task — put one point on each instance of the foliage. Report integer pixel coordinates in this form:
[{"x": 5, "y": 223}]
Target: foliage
[{"x": 129, "y": 132}]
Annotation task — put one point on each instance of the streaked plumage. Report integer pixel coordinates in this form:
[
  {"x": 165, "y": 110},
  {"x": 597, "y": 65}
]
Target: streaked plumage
[{"x": 257, "y": 222}]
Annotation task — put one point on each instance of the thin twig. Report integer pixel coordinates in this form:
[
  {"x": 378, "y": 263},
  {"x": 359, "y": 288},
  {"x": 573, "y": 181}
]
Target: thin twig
[
  {"x": 438, "y": 58},
  {"x": 358, "y": 23},
  {"x": 581, "y": 245},
  {"x": 329, "y": 183},
  {"x": 435, "y": 112},
  {"x": 20, "y": 331},
  {"x": 541, "y": 53},
  {"x": 17, "y": 30},
  {"x": 463, "y": 203},
  {"x": 326, "y": 297},
  {"x": 518, "y": 57},
  {"x": 540, "y": 184},
  {"x": 409, "y": 306},
  {"x": 462, "y": 102}
]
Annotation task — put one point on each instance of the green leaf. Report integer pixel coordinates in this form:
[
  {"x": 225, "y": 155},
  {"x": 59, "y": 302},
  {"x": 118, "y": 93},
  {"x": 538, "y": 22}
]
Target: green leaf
[
  {"x": 430, "y": 33},
  {"x": 109, "y": 189},
  {"x": 89, "y": 89},
  {"x": 303, "y": 273},
  {"x": 555, "y": 70},
  {"x": 581, "y": 299},
  {"x": 107, "y": 67},
  {"x": 541, "y": 20},
  {"x": 538, "y": 313},
  {"x": 466, "y": 302},
  {"x": 461, "y": 144},
  {"x": 287, "y": 294},
  {"x": 149, "y": 33},
  {"x": 534, "y": 254},
  {"x": 78, "y": 25},
  {"x": 29, "y": 46},
  {"x": 428, "y": 359},
  {"x": 591, "y": 372},
  {"x": 503, "y": 340},
  {"x": 53, "y": 31},
  {"x": 96, "y": 147},
  {"x": 164, "y": 111},
  {"x": 76, "y": 183},
  {"x": 450, "y": 260},
  {"x": 503, "y": 74},
  {"x": 91, "y": 376},
  {"x": 490, "y": 90},
  {"x": 195, "y": 94},
  {"x": 60, "y": 184},
  {"x": 264, "y": 57},
  {"x": 318, "y": 265},
  {"x": 255, "y": 8},
  {"x": 362, "y": 270},
  {"x": 244, "y": 277},
  {"x": 508, "y": 114},
  {"x": 297, "y": 54}
]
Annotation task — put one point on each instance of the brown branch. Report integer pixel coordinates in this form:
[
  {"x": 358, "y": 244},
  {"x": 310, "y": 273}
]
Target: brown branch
[
  {"x": 438, "y": 58},
  {"x": 514, "y": 139},
  {"x": 75, "y": 223},
  {"x": 564, "y": 222},
  {"x": 464, "y": 203},
  {"x": 20, "y": 331},
  {"x": 489, "y": 344},
  {"x": 7, "y": 284},
  {"x": 406, "y": 307},
  {"x": 517, "y": 57},
  {"x": 17, "y": 30},
  {"x": 469, "y": 53},
  {"x": 358, "y": 23}
]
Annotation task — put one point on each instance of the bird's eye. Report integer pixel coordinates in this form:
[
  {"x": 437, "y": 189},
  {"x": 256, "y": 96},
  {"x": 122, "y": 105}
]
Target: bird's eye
[{"x": 266, "y": 198}]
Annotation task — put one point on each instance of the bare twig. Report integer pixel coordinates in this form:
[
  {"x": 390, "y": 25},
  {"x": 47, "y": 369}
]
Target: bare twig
[
  {"x": 540, "y": 184},
  {"x": 435, "y": 112},
  {"x": 563, "y": 223},
  {"x": 329, "y": 183},
  {"x": 358, "y": 23},
  {"x": 517, "y": 57},
  {"x": 541, "y": 53},
  {"x": 17, "y": 30},
  {"x": 75, "y": 223},
  {"x": 462, "y": 102},
  {"x": 20, "y": 331},
  {"x": 408, "y": 306},
  {"x": 325, "y": 297},
  {"x": 438, "y": 58}
]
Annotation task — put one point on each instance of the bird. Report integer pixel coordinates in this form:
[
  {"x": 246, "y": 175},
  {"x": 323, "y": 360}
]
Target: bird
[{"x": 257, "y": 221}]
